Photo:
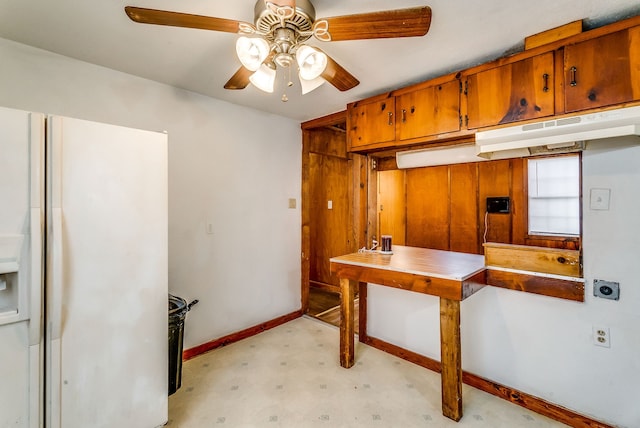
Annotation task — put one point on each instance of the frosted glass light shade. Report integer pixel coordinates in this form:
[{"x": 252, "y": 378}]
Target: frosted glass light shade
[
  {"x": 252, "y": 51},
  {"x": 264, "y": 78},
  {"x": 309, "y": 85},
  {"x": 311, "y": 61}
]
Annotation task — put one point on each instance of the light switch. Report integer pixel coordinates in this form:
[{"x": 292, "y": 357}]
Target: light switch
[
  {"x": 329, "y": 205},
  {"x": 292, "y": 203},
  {"x": 599, "y": 199}
]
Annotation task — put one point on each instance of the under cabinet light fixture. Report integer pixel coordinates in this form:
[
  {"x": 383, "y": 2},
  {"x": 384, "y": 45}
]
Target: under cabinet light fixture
[{"x": 438, "y": 156}]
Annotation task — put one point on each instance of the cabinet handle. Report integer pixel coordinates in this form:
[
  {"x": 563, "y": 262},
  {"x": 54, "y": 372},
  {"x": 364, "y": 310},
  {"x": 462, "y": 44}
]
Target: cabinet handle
[
  {"x": 573, "y": 71},
  {"x": 390, "y": 118},
  {"x": 404, "y": 115},
  {"x": 545, "y": 77}
]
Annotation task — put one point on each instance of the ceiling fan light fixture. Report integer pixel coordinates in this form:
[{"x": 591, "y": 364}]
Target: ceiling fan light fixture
[
  {"x": 309, "y": 85},
  {"x": 311, "y": 62},
  {"x": 252, "y": 51},
  {"x": 264, "y": 78}
]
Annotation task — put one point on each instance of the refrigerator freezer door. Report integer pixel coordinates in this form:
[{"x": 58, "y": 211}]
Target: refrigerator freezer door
[
  {"x": 107, "y": 288},
  {"x": 21, "y": 194}
]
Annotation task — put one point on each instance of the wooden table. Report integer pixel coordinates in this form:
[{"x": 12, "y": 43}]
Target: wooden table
[{"x": 449, "y": 275}]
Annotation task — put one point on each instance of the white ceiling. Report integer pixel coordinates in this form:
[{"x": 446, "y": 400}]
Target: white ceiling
[{"x": 463, "y": 33}]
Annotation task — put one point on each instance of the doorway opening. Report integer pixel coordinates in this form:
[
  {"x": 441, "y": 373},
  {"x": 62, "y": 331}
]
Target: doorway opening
[{"x": 334, "y": 197}]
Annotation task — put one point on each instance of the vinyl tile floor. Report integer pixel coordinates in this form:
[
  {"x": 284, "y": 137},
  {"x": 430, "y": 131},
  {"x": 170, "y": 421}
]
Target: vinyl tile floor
[{"x": 290, "y": 376}]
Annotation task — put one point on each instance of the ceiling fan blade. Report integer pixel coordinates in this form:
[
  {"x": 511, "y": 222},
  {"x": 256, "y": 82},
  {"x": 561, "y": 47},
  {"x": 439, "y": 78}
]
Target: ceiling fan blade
[
  {"x": 239, "y": 80},
  {"x": 412, "y": 22},
  {"x": 335, "y": 74},
  {"x": 177, "y": 19}
]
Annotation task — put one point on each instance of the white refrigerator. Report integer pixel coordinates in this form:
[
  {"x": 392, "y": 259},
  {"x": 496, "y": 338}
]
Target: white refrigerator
[{"x": 83, "y": 273}]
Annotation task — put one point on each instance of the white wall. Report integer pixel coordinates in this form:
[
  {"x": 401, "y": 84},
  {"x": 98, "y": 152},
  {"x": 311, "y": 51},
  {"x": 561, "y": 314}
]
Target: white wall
[
  {"x": 542, "y": 345},
  {"x": 230, "y": 166}
]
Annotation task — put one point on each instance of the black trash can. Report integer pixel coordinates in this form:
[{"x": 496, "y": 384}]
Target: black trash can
[{"x": 177, "y": 312}]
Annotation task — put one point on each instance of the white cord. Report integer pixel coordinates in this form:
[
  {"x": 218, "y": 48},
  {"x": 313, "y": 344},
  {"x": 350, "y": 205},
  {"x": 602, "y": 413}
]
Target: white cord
[
  {"x": 486, "y": 225},
  {"x": 373, "y": 247}
]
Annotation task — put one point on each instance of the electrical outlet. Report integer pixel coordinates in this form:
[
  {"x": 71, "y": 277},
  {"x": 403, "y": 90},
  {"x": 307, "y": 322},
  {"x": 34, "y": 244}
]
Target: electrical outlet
[
  {"x": 606, "y": 289},
  {"x": 601, "y": 336}
]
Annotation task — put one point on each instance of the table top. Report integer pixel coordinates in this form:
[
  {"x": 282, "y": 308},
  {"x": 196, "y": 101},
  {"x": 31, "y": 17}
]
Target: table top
[{"x": 419, "y": 261}]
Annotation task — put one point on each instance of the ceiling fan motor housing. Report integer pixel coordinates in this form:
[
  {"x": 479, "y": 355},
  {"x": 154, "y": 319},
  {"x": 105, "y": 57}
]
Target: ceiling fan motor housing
[{"x": 301, "y": 22}]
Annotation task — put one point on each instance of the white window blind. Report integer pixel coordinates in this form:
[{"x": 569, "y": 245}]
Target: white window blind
[{"x": 554, "y": 196}]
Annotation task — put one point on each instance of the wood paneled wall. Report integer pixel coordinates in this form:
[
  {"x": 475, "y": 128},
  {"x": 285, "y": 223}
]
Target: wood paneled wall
[
  {"x": 331, "y": 228},
  {"x": 329, "y": 173},
  {"x": 428, "y": 212},
  {"x": 494, "y": 179},
  {"x": 392, "y": 215},
  {"x": 463, "y": 208},
  {"x": 446, "y": 207}
]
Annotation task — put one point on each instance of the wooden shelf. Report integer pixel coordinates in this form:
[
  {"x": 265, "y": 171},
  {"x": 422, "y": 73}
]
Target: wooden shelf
[{"x": 547, "y": 271}]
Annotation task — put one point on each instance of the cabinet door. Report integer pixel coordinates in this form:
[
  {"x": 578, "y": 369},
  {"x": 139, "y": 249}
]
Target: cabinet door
[
  {"x": 518, "y": 91},
  {"x": 371, "y": 123},
  {"x": 430, "y": 111},
  {"x": 602, "y": 71}
]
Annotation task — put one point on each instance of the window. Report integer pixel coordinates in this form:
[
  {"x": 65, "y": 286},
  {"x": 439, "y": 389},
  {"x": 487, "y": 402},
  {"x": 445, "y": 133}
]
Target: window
[{"x": 554, "y": 196}]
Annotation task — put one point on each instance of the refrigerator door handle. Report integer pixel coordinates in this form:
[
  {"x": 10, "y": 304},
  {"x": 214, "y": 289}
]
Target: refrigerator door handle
[
  {"x": 35, "y": 322},
  {"x": 57, "y": 276},
  {"x": 55, "y": 272},
  {"x": 36, "y": 288}
]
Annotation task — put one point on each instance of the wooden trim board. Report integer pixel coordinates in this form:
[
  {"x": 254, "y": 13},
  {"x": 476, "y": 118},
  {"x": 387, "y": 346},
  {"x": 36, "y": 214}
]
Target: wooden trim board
[
  {"x": 553, "y": 35},
  {"x": 535, "y": 259},
  {"x": 520, "y": 398},
  {"x": 237, "y": 336},
  {"x": 546, "y": 286}
]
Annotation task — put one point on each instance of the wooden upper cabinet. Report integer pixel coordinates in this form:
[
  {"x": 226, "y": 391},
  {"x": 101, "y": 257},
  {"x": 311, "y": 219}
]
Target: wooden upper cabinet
[
  {"x": 602, "y": 71},
  {"x": 429, "y": 111},
  {"x": 601, "y": 68},
  {"x": 508, "y": 93},
  {"x": 371, "y": 123}
]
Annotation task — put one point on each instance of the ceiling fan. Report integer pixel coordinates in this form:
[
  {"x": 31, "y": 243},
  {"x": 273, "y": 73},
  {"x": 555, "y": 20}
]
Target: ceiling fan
[{"x": 277, "y": 39}]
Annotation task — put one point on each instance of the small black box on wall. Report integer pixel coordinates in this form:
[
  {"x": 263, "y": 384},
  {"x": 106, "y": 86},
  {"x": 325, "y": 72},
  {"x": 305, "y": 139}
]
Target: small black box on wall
[{"x": 498, "y": 205}]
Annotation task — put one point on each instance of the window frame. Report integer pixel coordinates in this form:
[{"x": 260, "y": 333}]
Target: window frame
[{"x": 557, "y": 240}]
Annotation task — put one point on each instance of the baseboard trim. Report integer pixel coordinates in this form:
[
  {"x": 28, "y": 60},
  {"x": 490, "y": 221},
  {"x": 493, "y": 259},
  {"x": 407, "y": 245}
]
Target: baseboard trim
[
  {"x": 235, "y": 337},
  {"x": 522, "y": 399}
]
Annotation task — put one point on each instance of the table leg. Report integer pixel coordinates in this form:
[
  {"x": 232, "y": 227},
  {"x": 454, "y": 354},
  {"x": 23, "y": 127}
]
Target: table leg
[
  {"x": 451, "y": 358},
  {"x": 347, "y": 290},
  {"x": 362, "y": 312}
]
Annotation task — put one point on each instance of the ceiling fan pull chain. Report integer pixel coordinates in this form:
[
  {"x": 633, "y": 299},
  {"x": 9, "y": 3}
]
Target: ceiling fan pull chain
[{"x": 289, "y": 83}]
